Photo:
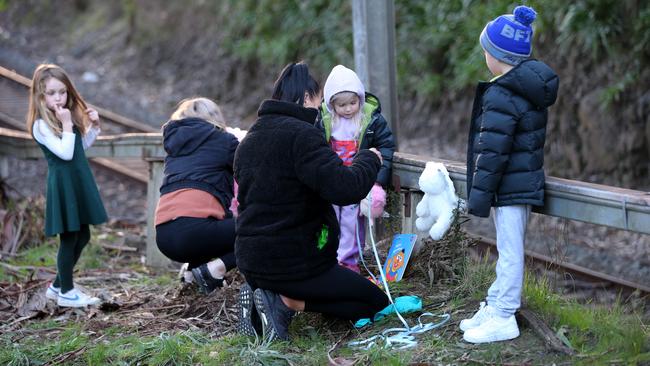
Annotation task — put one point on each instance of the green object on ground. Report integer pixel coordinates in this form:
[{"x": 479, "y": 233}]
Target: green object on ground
[{"x": 404, "y": 304}]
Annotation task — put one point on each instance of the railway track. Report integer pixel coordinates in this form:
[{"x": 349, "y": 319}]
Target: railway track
[
  {"x": 574, "y": 271},
  {"x": 14, "y": 97}
]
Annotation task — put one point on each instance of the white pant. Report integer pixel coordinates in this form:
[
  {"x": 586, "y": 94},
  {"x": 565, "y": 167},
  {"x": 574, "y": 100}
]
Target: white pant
[{"x": 505, "y": 293}]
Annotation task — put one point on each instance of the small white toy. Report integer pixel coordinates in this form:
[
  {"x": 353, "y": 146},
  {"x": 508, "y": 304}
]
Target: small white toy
[
  {"x": 234, "y": 204},
  {"x": 238, "y": 132},
  {"x": 435, "y": 213}
]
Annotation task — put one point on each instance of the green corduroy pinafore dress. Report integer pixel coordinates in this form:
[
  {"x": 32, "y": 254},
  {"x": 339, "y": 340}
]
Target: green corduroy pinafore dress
[{"x": 72, "y": 196}]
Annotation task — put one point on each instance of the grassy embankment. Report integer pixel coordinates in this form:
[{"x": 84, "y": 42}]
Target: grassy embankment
[{"x": 599, "y": 335}]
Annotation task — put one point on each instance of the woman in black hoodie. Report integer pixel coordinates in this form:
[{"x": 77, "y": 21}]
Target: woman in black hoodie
[
  {"x": 193, "y": 223},
  {"x": 287, "y": 231}
]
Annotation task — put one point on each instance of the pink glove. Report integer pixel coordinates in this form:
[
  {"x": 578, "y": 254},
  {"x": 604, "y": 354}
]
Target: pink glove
[
  {"x": 378, "y": 196},
  {"x": 234, "y": 203}
]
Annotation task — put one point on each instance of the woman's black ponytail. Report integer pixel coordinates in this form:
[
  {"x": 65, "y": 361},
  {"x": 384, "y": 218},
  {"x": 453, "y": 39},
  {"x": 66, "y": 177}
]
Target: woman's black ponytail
[{"x": 293, "y": 82}]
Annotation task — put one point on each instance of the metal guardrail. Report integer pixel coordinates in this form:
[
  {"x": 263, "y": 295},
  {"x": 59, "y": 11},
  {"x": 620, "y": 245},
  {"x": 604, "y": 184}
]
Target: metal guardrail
[
  {"x": 593, "y": 203},
  {"x": 21, "y": 145},
  {"x": 146, "y": 146}
]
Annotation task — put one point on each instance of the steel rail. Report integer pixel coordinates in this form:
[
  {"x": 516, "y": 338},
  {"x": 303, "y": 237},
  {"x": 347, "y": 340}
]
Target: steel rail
[
  {"x": 104, "y": 113},
  {"x": 109, "y": 117},
  {"x": 574, "y": 269}
]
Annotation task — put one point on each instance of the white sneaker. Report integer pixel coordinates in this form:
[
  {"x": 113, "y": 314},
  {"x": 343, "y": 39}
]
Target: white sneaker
[
  {"x": 52, "y": 292},
  {"x": 76, "y": 299},
  {"x": 479, "y": 317},
  {"x": 183, "y": 274},
  {"x": 493, "y": 329}
]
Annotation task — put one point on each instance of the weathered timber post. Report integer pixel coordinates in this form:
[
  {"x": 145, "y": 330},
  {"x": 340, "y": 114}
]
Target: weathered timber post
[
  {"x": 374, "y": 53},
  {"x": 154, "y": 257},
  {"x": 4, "y": 166},
  {"x": 374, "y": 59},
  {"x": 412, "y": 197}
]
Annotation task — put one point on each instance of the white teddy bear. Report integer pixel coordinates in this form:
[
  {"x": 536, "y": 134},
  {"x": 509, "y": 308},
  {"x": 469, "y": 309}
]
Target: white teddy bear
[{"x": 436, "y": 210}]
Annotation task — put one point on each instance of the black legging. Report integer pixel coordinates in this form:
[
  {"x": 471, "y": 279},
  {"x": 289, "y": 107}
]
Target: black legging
[
  {"x": 338, "y": 291},
  {"x": 72, "y": 243},
  {"x": 198, "y": 240}
]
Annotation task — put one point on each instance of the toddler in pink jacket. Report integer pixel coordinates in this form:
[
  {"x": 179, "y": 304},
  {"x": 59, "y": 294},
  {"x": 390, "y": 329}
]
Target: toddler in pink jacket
[{"x": 352, "y": 120}]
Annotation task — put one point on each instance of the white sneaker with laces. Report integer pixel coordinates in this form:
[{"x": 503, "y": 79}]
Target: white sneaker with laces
[
  {"x": 494, "y": 329},
  {"x": 76, "y": 299},
  {"x": 479, "y": 317},
  {"x": 52, "y": 292}
]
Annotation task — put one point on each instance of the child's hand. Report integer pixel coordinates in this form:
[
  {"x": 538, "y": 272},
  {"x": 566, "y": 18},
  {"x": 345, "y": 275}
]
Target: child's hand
[
  {"x": 381, "y": 160},
  {"x": 376, "y": 203},
  {"x": 63, "y": 115},
  {"x": 93, "y": 116}
]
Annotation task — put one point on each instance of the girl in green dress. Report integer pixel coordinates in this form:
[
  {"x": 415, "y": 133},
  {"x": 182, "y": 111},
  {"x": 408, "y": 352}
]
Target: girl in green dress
[{"x": 64, "y": 126}]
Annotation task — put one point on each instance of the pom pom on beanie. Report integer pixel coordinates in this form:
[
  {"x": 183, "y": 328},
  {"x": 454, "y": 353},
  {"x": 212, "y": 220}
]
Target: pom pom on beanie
[{"x": 525, "y": 15}]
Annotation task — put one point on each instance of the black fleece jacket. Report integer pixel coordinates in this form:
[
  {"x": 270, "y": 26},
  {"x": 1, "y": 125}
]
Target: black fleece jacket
[
  {"x": 288, "y": 178},
  {"x": 505, "y": 151}
]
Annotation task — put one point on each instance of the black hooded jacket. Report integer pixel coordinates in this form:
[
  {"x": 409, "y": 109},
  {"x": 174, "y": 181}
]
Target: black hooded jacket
[
  {"x": 288, "y": 178},
  {"x": 199, "y": 156},
  {"x": 505, "y": 150}
]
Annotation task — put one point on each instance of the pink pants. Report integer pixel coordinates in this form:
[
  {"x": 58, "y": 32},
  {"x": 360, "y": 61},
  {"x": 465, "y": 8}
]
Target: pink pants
[{"x": 350, "y": 223}]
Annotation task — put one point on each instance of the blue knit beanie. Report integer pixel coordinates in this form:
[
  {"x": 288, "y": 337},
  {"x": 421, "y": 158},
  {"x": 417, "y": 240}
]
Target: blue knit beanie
[{"x": 508, "y": 37}]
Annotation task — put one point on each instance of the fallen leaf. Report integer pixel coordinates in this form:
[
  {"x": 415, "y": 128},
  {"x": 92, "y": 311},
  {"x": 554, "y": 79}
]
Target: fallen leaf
[
  {"x": 561, "y": 334},
  {"x": 341, "y": 361},
  {"x": 36, "y": 303}
]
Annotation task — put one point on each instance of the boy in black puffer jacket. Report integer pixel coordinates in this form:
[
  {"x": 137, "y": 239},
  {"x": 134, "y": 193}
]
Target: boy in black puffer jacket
[{"x": 505, "y": 161}]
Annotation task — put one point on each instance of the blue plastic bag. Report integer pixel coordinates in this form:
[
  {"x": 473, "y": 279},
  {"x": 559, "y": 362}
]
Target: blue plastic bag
[{"x": 404, "y": 304}]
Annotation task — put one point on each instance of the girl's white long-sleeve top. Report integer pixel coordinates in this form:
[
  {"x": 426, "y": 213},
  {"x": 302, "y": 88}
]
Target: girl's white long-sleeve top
[{"x": 63, "y": 146}]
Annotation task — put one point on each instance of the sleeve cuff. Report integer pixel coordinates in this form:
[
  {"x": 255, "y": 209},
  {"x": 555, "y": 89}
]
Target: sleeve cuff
[{"x": 479, "y": 204}]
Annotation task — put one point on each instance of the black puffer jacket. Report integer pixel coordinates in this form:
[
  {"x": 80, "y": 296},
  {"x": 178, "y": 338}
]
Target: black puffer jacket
[
  {"x": 199, "y": 156},
  {"x": 505, "y": 151},
  {"x": 288, "y": 179}
]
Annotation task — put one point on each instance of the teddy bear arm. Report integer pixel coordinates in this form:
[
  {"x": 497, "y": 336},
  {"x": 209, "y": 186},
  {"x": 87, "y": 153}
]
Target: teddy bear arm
[
  {"x": 424, "y": 223},
  {"x": 442, "y": 224},
  {"x": 422, "y": 209}
]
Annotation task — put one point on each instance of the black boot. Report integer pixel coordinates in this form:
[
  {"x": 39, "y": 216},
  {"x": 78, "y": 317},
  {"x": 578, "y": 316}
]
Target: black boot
[
  {"x": 204, "y": 279},
  {"x": 249, "y": 321},
  {"x": 274, "y": 314}
]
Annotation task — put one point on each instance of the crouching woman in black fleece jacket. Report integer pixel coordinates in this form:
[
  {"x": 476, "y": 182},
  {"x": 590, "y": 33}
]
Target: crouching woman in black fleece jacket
[{"x": 287, "y": 232}]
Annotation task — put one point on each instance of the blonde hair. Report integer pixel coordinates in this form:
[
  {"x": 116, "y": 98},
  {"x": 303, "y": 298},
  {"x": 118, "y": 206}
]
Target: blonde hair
[
  {"x": 346, "y": 97},
  {"x": 38, "y": 108},
  {"x": 202, "y": 108}
]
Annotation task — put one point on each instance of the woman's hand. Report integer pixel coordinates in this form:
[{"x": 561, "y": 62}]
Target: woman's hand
[
  {"x": 93, "y": 116},
  {"x": 63, "y": 115},
  {"x": 381, "y": 160}
]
